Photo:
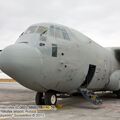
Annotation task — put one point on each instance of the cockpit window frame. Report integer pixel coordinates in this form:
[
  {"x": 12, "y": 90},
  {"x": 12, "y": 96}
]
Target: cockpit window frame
[
  {"x": 52, "y": 31},
  {"x": 36, "y": 30},
  {"x": 64, "y": 33},
  {"x": 42, "y": 32}
]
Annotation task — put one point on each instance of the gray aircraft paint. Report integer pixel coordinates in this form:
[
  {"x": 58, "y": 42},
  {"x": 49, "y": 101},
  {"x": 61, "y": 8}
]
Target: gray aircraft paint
[{"x": 31, "y": 62}]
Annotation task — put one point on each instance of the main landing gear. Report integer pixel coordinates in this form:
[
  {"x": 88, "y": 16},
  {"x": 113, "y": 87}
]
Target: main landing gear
[{"x": 48, "y": 98}]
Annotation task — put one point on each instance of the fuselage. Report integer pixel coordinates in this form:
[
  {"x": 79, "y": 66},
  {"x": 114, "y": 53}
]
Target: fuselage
[{"x": 54, "y": 57}]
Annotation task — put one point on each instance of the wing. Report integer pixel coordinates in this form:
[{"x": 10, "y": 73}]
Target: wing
[{"x": 116, "y": 52}]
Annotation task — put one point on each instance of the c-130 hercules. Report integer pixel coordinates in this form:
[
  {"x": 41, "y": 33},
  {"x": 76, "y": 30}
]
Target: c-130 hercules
[{"x": 51, "y": 59}]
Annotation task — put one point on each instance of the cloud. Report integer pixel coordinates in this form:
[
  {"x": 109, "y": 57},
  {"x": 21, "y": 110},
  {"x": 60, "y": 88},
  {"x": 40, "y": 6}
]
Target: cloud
[{"x": 98, "y": 19}]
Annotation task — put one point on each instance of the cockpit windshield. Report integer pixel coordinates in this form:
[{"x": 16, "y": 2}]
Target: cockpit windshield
[
  {"x": 37, "y": 29},
  {"x": 42, "y": 30},
  {"x": 31, "y": 29}
]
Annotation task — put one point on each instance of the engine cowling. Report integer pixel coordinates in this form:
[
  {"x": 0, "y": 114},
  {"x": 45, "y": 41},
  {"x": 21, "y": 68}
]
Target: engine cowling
[{"x": 114, "y": 83}]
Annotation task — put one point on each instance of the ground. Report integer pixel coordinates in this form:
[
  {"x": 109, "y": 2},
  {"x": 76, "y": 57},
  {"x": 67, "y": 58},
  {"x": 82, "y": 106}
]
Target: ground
[{"x": 75, "y": 108}]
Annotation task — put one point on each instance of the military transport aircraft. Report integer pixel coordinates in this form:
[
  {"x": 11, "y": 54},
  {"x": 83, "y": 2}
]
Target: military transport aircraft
[{"x": 51, "y": 58}]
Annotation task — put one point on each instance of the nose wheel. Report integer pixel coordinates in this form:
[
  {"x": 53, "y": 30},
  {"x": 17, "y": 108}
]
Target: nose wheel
[
  {"x": 39, "y": 98},
  {"x": 48, "y": 98}
]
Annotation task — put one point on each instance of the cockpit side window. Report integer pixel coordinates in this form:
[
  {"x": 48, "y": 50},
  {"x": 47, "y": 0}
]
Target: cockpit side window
[
  {"x": 65, "y": 35},
  {"x": 58, "y": 32},
  {"x": 31, "y": 29}
]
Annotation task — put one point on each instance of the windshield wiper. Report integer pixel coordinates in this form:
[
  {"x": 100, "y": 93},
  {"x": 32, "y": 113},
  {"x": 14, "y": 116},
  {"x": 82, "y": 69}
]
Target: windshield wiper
[{"x": 43, "y": 32}]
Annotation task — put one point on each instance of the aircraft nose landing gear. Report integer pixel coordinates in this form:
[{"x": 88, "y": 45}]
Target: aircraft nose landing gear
[
  {"x": 39, "y": 98},
  {"x": 49, "y": 98}
]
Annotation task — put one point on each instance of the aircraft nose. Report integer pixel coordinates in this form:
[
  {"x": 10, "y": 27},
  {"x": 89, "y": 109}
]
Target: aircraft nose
[
  {"x": 23, "y": 63},
  {"x": 15, "y": 55},
  {"x": 16, "y": 58},
  {"x": 8, "y": 56}
]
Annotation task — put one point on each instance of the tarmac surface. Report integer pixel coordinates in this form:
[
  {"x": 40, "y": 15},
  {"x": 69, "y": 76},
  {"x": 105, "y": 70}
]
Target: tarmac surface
[{"x": 73, "y": 108}]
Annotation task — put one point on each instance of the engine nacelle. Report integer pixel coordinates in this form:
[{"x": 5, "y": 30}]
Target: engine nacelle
[{"x": 114, "y": 83}]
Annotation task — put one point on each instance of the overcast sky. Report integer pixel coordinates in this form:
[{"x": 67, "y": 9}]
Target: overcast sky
[{"x": 98, "y": 19}]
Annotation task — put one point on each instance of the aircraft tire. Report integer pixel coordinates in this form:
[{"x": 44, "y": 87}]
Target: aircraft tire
[
  {"x": 50, "y": 99},
  {"x": 39, "y": 99}
]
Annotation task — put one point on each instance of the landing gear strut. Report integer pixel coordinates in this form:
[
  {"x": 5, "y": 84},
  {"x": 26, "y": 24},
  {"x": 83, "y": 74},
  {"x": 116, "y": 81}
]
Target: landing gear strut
[{"x": 49, "y": 98}]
